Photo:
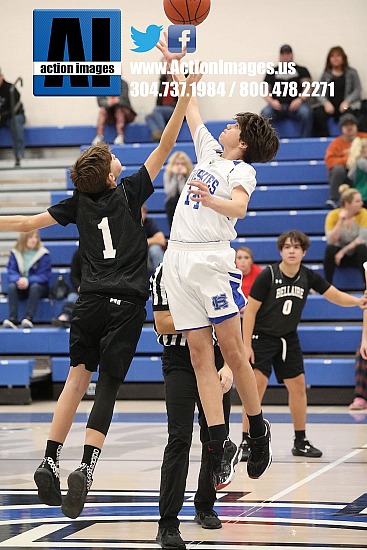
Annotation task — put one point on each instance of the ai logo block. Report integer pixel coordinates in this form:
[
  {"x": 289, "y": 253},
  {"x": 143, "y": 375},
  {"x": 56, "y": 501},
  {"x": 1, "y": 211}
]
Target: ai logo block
[{"x": 76, "y": 52}]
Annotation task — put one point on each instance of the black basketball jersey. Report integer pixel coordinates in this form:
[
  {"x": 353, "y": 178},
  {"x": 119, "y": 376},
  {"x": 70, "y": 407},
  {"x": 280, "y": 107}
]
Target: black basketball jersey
[
  {"x": 283, "y": 298},
  {"x": 112, "y": 243}
]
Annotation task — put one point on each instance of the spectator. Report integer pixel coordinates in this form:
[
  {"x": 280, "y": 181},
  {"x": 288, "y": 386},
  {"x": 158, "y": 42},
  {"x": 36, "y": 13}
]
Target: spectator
[
  {"x": 357, "y": 166},
  {"x": 345, "y": 95},
  {"x": 283, "y": 100},
  {"x": 114, "y": 110},
  {"x": 29, "y": 272},
  {"x": 337, "y": 155},
  {"x": 155, "y": 238},
  {"x": 250, "y": 270},
  {"x": 270, "y": 323},
  {"x": 178, "y": 169},
  {"x": 346, "y": 233},
  {"x": 16, "y": 123},
  {"x": 161, "y": 114},
  {"x": 64, "y": 319},
  {"x": 360, "y": 391}
]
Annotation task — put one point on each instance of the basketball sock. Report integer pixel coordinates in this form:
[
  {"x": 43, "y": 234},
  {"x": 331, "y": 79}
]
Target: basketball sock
[
  {"x": 257, "y": 426},
  {"x": 218, "y": 433},
  {"x": 90, "y": 457},
  {"x": 300, "y": 435},
  {"x": 53, "y": 450},
  {"x": 244, "y": 436}
]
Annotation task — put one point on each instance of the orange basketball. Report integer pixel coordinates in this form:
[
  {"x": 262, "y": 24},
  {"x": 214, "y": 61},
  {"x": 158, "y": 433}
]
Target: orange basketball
[{"x": 186, "y": 12}]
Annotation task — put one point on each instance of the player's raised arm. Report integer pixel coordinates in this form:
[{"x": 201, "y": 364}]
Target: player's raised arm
[
  {"x": 193, "y": 115},
  {"x": 24, "y": 224},
  {"x": 157, "y": 158}
]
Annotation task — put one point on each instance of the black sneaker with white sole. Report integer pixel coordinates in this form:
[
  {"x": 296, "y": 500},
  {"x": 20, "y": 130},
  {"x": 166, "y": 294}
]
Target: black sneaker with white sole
[
  {"x": 47, "y": 479},
  {"x": 260, "y": 453},
  {"x": 79, "y": 483},
  {"x": 305, "y": 448}
]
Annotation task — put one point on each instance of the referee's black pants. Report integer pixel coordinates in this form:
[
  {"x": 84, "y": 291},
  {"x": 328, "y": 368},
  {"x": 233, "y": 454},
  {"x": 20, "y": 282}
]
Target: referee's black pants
[{"x": 181, "y": 395}]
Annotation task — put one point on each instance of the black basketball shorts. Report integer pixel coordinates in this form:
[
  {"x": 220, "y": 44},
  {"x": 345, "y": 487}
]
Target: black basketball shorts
[
  {"x": 284, "y": 354},
  {"x": 105, "y": 331}
]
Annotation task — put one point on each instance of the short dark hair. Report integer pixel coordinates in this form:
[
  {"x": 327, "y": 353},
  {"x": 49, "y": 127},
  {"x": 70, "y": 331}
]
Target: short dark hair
[
  {"x": 260, "y": 137},
  {"x": 295, "y": 237},
  {"x": 90, "y": 172}
]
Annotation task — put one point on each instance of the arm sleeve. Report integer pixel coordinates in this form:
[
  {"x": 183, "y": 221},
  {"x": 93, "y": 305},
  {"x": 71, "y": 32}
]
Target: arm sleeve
[
  {"x": 355, "y": 94},
  {"x": 65, "y": 211},
  {"x": 205, "y": 144},
  {"x": 13, "y": 269},
  {"x": 261, "y": 285},
  {"x": 243, "y": 174},
  {"x": 317, "y": 282}
]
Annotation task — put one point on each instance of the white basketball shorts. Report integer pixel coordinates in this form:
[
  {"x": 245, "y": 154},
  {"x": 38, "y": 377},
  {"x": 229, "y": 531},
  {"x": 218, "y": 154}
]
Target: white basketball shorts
[{"x": 202, "y": 283}]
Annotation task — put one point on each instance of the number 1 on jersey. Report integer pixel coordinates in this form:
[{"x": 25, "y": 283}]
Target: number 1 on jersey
[{"x": 109, "y": 251}]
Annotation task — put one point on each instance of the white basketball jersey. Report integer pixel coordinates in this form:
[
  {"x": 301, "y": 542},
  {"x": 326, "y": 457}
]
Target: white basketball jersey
[{"x": 194, "y": 222}]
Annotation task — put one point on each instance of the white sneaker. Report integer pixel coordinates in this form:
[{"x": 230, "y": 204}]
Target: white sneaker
[
  {"x": 26, "y": 323},
  {"x": 119, "y": 140},
  {"x": 9, "y": 324},
  {"x": 97, "y": 140}
]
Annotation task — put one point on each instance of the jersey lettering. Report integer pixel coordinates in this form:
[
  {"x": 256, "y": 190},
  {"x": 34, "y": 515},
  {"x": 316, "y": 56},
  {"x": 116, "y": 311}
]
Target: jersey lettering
[{"x": 109, "y": 251}]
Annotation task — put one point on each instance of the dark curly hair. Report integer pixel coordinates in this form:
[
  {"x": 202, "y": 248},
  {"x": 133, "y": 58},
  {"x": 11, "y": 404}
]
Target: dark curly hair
[
  {"x": 295, "y": 237},
  {"x": 260, "y": 137}
]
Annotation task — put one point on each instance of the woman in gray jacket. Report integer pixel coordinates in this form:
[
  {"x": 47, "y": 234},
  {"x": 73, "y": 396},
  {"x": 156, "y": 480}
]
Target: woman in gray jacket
[{"x": 343, "y": 97}]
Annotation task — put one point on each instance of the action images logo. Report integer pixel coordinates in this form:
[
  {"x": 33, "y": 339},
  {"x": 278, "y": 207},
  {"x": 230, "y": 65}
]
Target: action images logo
[{"x": 76, "y": 52}]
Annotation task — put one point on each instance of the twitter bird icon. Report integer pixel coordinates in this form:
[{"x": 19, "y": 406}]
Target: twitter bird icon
[{"x": 145, "y": 41}]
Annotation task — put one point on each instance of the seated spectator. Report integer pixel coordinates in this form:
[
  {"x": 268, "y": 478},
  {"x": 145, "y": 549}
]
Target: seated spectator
[
  {"x": 357, "y": 166},
  {"x": 29, "y": 273},
  {"x": 337, "y": 155},
  {"x": 178, "y": 169},
  {"x": 64, "y": 319},
  {"x": 114, "y": 110},
  {"x": 157, "y": 120},
  {"x": 360, "y": 391},
  {"x": 155, "y": 238},
  {"x": 250, "y": 270},
  {"x": 16, "y": 124},
  {"x": 346, "y": 95},
  {"x": 284, "y": 102},
  {"x": 346, "y": 233}
]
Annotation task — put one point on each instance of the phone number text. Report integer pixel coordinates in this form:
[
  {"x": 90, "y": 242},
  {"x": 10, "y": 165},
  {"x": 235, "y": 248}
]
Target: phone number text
[{"x": 229, "y": 89}]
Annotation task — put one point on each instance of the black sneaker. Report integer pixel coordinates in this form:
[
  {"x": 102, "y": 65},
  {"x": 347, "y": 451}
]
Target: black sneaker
[
  {"x": 170, "y": 537},
  {"x": 305, "y": 448},
  {"x": 79, "y": 483},
  {"x": 223, "y": 458},
  {"x": 245, "y": 449},
  {"x": 208, "y": 520},
  {"x": 47, "y": 479},
  {"x": 260, "y": 453}
]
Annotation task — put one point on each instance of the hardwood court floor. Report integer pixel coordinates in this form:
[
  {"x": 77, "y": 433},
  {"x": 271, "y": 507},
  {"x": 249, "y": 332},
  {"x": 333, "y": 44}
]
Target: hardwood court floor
[{"x": 320, "y": 503}]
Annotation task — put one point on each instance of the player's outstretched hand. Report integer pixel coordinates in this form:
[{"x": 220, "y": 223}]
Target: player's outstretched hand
[
  {"x": 162, "y": 46},
  {"x": 200, "y": 193}
]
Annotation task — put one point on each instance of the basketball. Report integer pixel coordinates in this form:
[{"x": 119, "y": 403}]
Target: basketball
[{"x": 186, "y": 12}]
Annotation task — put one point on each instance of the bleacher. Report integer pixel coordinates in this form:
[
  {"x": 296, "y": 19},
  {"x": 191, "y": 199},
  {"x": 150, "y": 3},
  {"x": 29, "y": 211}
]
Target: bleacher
[{"x": 290, "y": 195}]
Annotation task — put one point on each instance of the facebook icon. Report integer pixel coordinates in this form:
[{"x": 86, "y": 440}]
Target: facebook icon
[{"x": 180, "y": 36}]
